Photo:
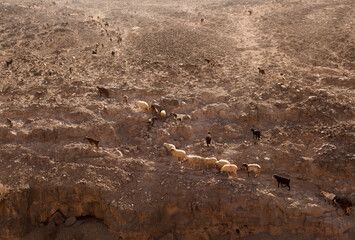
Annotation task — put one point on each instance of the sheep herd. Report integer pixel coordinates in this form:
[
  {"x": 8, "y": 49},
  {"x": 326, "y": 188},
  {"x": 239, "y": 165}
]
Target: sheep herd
[
  {"x": 224, "y": 166},
  {"x": 197, "y": 161}
]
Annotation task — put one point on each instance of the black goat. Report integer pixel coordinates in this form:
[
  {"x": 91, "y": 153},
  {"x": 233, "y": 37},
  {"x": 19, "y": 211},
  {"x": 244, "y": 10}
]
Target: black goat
[
  {"x": 343, "y": 203},
  {"x": 208, "y": 139},
  {"x": 256, "y": 134},
  {"x": 283, "y": 181},
  {"x": 261, "y": 71},
  {"x": 8, "y": 63}
]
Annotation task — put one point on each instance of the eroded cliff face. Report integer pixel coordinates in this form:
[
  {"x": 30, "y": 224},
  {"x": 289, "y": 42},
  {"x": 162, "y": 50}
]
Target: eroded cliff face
[{"x": 173, "y": 206}]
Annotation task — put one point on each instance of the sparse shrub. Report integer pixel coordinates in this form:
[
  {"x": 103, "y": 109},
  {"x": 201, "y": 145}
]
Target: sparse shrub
[{"x": 3, "y": 191}]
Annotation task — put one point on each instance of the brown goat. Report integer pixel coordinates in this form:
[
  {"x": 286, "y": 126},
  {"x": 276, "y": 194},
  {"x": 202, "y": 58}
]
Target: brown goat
[
  {"x": 103, "y": 91},
  {"x": 210, "y": 62},
  {"x": 150, "y": 122},
  {"x": 343, "y": 203},
  {"x": 9, "y": 123},
  {"x": 92, "y": 142},
  {"x": 125, "y": 99}
]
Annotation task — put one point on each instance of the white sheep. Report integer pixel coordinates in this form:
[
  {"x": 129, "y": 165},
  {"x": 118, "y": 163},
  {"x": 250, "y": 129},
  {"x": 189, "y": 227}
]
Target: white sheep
[
  {"x": 329, "y": 197},
  {"x": 163, "y": 114},
  {"x": 143, "y": 106},
  {"x": 210, "y": 161},
  {"x": 195, "y": 160},
  {"x": 169, "y": 146},
  {"x": 252, "y": 167},
  {"x": 181, "y": 117},
  {"x": 221, "y": 163},
  {"x": 230, "y": 169},
  {"x": 178, "y": 154}
]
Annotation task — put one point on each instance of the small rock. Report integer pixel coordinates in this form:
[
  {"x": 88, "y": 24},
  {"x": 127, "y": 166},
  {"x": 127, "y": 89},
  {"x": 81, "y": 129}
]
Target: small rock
[
  {"x": 57, "y": 218},
  {"x": 70, "y": 221},
  {"x": 312, "y": 98}
]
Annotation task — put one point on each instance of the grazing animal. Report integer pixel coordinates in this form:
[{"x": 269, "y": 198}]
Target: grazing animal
[
  {"x": 143, "y": 106},
  {"x": 283, "y": 181},
  {"x": 256, "y": 134},
  {"x": 178, "y": 154},
  {"x": 156, "y": 105},
  {"x": 202, "y": 20},
  {"x": 119, "y": 39},
  {"x": 154, "y": 110},
  {"x": 92, "y": 142},
  {"x": 230, "y": 169},
  {"x": 195, "y": 160},
  {"x": 9, "y": 123},
  {"x": 113, "y": 53},
  {"x": 106, "y": 24},
  {"x": 169, "y": 146},
  {"x": 70, "y": 70},
  {"x": 94, "y": 52},
  {"x": 221, "y": 163},
  {"x": 210, "y": 161},
  {"x": 151, "y": 121},
  {"x": 210, "y": 62},
  {"x": 261, "y": 71},
  {"x": 125, "y": 99},
  {"x": 343, "y": 203},
  {"x": 253, "y": 167},
  {"x": 163, "y": 114},
  {"x": 250, "y": 12},
  {"x": 181, "y": 117},
  {"x": 208, "y": 139},
  {"x": 103, "y": 91},
  {"x": 329, "y": 197},
  {"x": 8, "y": 63}
]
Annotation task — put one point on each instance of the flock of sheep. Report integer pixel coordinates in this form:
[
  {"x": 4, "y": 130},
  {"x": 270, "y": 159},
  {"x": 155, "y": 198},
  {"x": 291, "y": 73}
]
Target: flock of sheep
[
  {"x": 210, "y": 162},
  {"x": 224, "y": 165}
]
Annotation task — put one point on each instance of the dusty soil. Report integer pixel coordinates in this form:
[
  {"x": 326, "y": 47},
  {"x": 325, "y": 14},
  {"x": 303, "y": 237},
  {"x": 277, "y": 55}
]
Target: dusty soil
[{"x": 131, "y": 187}]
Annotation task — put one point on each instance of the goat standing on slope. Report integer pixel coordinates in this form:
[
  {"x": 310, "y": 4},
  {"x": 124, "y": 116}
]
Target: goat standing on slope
[{"x": 208, "y": 139}]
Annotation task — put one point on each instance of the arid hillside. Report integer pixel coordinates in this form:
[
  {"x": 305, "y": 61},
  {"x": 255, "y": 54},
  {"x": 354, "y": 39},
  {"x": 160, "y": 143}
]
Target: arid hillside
[{"x": 71, "y": 73}]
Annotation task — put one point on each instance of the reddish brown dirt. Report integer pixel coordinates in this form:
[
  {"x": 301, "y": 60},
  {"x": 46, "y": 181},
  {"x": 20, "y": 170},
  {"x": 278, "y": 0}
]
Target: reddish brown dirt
[{"x": 131, "y": 187}]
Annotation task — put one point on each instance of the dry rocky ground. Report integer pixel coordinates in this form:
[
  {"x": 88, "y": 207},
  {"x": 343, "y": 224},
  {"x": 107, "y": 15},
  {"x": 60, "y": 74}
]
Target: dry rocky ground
[{"x": 54, "y": 185}]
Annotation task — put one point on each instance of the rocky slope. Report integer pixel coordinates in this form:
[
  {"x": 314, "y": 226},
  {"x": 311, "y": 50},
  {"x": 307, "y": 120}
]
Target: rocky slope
[{"x": 131, "y": 187}]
